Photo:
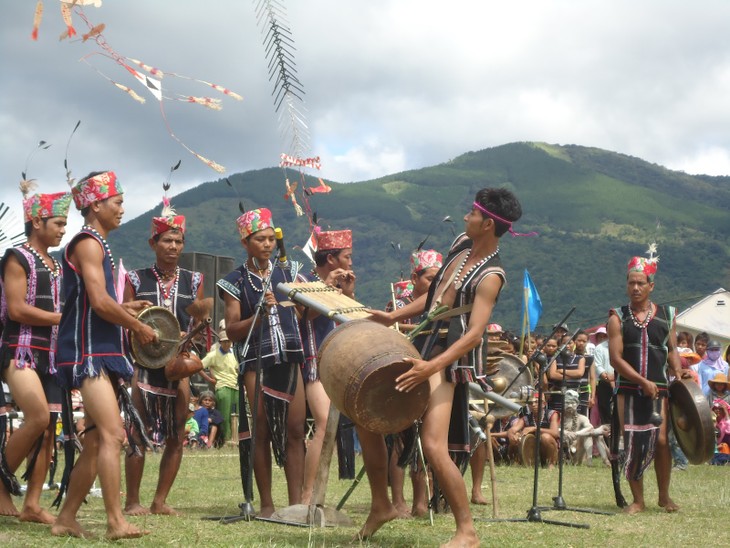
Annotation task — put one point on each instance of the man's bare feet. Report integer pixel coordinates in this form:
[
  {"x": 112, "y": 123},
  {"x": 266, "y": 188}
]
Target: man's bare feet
[
  {"x": 69, "y": 529},
  {"x": 38, "y": 515},
  {"x": 403, "y": 510},
  {"x": 478, "y": 498},
  {"x": 125, "y": 530},
  {"x": 669, "y": 505},
  {"x": 463, "y": 540},
  {"x": 163, "y": 510},
  {"x": 634, "y": 508},
  {"x": 266, "y": 511},
  {"x": 375, "y": 521},
  {"x": 7, "y": 508},
  {"x": 136, "y": 509},
  {"x": 419, "y": 510}
]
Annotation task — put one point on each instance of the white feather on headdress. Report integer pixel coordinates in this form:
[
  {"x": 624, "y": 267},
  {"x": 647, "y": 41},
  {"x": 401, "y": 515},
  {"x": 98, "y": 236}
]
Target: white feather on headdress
[
  {"x": 27, "y": 186},
  {"x": 167, "y": 209}
]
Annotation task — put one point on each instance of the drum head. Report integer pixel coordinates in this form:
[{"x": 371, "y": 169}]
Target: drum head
[
  {"x": 692, "y": 421},
  {"x": 156, "y": 355},
  {"x": 527, "y": 449}
]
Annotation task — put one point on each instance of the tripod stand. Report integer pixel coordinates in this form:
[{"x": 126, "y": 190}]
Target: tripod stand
[
  {"x": 534, "y": 514},
  {"x": 558, "y": 500}
]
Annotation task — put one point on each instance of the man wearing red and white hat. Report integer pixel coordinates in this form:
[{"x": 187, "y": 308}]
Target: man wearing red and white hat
[
  {"x": 333, "y": 267},
  {"x": 30, "y": 283},
  {"x": 162, "y": 404},
  {"x": 92, "y": 355}
]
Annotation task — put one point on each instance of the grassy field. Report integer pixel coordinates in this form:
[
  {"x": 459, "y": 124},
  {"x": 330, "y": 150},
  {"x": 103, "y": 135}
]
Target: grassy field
[{"x": 209, "y": 484}]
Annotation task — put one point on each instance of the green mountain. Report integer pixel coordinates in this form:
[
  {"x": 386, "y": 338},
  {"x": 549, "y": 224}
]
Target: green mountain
[{"x": 593, "y": 209}]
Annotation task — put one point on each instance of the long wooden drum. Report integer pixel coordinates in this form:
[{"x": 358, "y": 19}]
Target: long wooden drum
[{"x": 358, "y": 364}]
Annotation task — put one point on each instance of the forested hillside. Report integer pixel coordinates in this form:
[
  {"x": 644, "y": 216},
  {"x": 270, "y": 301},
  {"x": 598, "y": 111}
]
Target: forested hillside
[{"x": 592, "y": 208}]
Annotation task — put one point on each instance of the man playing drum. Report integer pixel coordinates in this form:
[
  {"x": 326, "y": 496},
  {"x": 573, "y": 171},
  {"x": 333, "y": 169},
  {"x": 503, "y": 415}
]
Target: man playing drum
[
  {"x": 642, "y": 343},
  {"x": 162, "y": 404},
  {"x": 91, "y": 353},
  {"x": 333, "y": 267},
  {"x": 472, "y": 278}
]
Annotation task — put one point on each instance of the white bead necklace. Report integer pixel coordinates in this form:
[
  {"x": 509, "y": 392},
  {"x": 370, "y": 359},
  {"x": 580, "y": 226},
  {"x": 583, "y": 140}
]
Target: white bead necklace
[
  {"x": 55, "y": 271},
  {"x": 103, "y": 242},
  {"x": 167, "y": 293},
  {"x": 250, "y": 280},
  {"x": 459, "y": 279},
  {"x": 647, "y": 319}
]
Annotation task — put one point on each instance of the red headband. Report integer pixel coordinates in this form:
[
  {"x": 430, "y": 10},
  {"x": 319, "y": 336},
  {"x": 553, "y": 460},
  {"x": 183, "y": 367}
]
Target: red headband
[{"x": 501, "y": 220}]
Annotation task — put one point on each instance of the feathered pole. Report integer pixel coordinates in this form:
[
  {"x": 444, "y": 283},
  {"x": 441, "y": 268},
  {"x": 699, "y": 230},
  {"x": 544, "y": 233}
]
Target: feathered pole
[{"x": 288, "y": 92}]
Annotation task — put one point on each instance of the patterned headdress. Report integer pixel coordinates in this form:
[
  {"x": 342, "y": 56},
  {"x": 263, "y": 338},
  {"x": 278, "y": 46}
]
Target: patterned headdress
[
  {"x": 335, "y": 239},
  {"x": 253, "y": 221},
  {"x": 169, "y": 220},
  {"x": 424, "y": 259},
  {"x": 403, "y": 289},
  {"x": 46, "y": 205},
  {"x": 95, "y": 189},
  {"x": 645, "y": 265}
]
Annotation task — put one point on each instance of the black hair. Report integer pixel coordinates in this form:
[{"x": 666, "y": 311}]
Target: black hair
[
  {"x": 702, "y": 337},
  {"x": 501, "y": 202},
  {"x": 320, "y": 257},
  {"x": 29, "y": 226}
]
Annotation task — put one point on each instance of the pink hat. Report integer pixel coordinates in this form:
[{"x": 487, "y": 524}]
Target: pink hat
[
  {"x": 601, "y": 330},
  {"x": 46, "y": 205},
  {"x": 494, "y": 328},
  {"x": 95, "y": 189},
  {"x": 643, "y": 265},
  {"x": 335, "y": 239},
  {"x": 254, "y": 221},
  {"x": 424, "y": 259},
  {"x": 168, "y": 221}
]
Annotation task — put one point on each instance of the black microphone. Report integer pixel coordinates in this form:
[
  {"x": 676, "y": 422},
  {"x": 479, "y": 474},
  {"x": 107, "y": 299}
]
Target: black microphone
[{"x": 280, "y": 244}]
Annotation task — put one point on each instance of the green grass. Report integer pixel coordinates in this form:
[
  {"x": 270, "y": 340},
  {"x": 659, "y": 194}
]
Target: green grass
[{"x": 209, "y": 484}]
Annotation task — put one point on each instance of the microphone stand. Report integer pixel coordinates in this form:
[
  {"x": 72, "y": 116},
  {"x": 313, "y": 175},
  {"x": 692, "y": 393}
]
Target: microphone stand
[
  {"x": 558, "y": 500},
  {"x": 534, "y": 514},
  {"x": 248, "y": 513}
]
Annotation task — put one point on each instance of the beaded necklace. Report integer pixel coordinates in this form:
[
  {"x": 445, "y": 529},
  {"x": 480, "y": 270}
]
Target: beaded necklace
[
  {"x": 250, "y": 280},
  {"x": 103, "y": 242},
  {"x": 169, "y": 291},
  {"x": 458, "y": 279},
  {"x": 55, "y": 271},
  {"x": 647, "y": 319}
]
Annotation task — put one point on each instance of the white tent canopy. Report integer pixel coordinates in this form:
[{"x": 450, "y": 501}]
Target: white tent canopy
[{"x": 711, "y": 315}]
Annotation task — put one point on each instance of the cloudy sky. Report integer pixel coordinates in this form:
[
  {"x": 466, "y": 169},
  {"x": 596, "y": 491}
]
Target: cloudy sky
[{"x": 390, "y": 85}]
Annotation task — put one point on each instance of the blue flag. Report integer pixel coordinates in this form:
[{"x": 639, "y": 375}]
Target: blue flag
[{"x": 532, "y": 303}]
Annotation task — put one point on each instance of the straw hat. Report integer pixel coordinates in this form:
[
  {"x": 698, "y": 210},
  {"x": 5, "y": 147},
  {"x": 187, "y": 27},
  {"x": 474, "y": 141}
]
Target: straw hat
[{"x": 720, "y": 378}]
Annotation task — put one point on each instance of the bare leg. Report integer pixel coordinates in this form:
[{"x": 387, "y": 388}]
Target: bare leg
[
  {"x": 397, "y": 477},
  {"x": 101, "y": 449},
  {"x": 375, "y": 459},
  {"x": 7, "y": 507},
  {"x": 548, "y": 449},
  {"x": 420, "y": 495},
  {"x": 134, "y": 463},
  {"x": 435, "y": 445},
  {"x": 663, "y": 464},
  {"x": 28, "y": 393},
  {"x": 477, "y": 463},
  {"x": 172, "y": 455},
  {"x": 319, "y": 405},
  {"x": 262, "y": 452},
  {"x": 294, "y": 467},
  {"x": 637, "y": 486}
]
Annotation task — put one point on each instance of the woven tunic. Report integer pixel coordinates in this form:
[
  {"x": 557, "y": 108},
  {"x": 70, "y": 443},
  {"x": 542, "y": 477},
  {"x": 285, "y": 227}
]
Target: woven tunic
[{"x": 87, "y": 343}]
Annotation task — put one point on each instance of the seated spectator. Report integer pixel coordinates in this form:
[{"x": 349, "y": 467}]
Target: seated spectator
[
  {"x": 580, "y": 435},
  {"x": 719, "y": 389},
  {"x": 208, "y": 419},
  {"x": 191, "y": 428},
  {"x": 549, "y": 431}
]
